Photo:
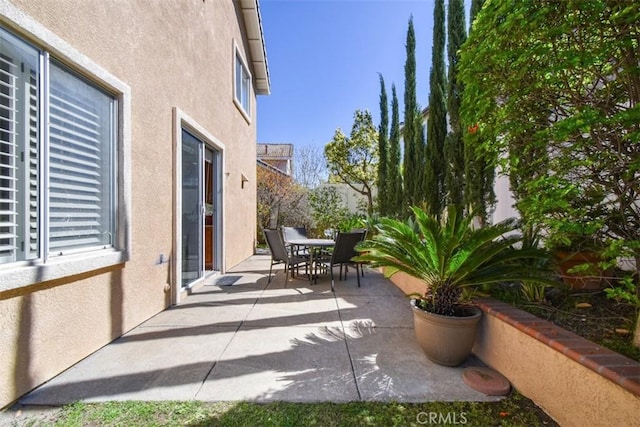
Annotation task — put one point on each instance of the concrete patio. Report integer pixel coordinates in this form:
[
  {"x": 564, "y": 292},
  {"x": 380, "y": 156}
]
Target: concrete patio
[{"x": 238, "y": 338}]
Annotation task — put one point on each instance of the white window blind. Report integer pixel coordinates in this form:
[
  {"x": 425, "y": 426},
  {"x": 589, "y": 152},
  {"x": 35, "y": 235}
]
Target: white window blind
[
  {"x": 58, "y": 185},
  {"x": 19, "y": 193},
  {"x": 243, "y": 84},
  {"x": 80, "y": 164},
  {"x": 32, "y": 175},
  {"x": 8, "y": 159}
]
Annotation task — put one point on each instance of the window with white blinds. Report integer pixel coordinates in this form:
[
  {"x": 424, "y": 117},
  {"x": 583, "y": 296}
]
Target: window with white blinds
[
  {"x": 242, "y": 85},
  {"x": 19, "y": 147},
  {"x": 57, "y": 188},
  {"x": 80, "y": 166}
]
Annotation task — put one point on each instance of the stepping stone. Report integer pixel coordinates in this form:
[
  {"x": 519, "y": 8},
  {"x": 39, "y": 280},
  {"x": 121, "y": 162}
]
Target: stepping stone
[{"x": 486, "y": 380}]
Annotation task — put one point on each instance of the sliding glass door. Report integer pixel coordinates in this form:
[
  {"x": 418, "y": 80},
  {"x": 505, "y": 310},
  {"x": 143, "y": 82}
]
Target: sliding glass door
[{"x": 200, "y": 213}]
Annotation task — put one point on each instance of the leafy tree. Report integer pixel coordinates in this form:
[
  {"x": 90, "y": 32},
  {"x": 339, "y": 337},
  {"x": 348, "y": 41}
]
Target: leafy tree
[
  {"x": 353, "y": 160},
  {"x": 437, "y": 123},
  {"x": 394, "y": 183},
  {"x": 383, "y": 151},
  {"x": 327, "y": 208},
  {"x": 413, "y": 163},
  {"x": 310, "y": 167},
  {"x": 454, "y": 148},
  {"x": 479, "y": 166},
  {"x": 280, "y": 200},
  {"x": 555, "y": 90}
]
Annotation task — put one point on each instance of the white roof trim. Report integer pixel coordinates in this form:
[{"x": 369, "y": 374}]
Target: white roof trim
[{"x": 255, "y": 37}]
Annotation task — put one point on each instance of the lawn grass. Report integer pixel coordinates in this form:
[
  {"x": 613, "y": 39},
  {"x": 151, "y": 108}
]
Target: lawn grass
[{"x": 514, "y": 410}]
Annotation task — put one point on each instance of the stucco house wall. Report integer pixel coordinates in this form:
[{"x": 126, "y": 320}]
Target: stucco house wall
[{"x": 167, "y": 56}]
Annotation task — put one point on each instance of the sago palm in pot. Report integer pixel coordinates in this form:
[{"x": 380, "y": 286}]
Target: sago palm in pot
[{"x": 448, "y": 255}]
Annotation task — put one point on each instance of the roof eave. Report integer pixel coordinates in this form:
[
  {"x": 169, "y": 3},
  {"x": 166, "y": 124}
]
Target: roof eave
[{"x": 257, "y": 48}]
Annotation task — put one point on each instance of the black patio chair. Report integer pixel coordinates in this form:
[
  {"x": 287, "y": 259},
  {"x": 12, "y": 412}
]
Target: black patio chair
[
  {"x": 364, "y": 232},
  {"x": 292, "y": 233},
  {"x": 280, "y": 255},
  {"x": 289, "y": 233},
  {"x": 343, "y": 251}
]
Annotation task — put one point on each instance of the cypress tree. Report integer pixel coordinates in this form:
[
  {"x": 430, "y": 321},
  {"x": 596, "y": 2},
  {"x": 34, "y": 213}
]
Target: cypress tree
[
  {"x": 476, "y": 5},
  {"x": 383, "y": 142},
  {"x": 412, "y": 156},
  {"x": 394, "y": 183},
  {"x": 420, "y": 141},
  {"x": 479, "y": 172},
  {"x": 437, "y": 124},
  {"x": 454, "y": 146}
]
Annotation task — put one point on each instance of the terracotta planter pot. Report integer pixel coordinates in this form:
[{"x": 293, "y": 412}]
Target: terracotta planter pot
[
  {"x": 569, "y": 260},
  {"x": 446, "y": 340}
]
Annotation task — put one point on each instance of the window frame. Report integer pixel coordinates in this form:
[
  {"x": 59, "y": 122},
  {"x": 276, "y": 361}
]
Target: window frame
[
  {"x": 238, "y": 58},
  {"x": 43, "y": 269}
]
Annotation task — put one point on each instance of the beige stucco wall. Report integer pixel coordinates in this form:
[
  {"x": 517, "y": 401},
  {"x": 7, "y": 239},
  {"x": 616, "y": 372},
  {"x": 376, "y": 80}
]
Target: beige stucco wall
[
  {"x": 408, "y": 284},
  {"x": 571, "y": 393},
  {"x": 172, "y": 54}
]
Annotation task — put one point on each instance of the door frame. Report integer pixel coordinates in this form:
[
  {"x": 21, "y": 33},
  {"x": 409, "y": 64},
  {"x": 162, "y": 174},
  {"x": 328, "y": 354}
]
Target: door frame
[{"x": 182, "y": 121}]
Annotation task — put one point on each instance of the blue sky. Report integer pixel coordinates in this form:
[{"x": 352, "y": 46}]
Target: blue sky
[{"x": 324, "y": 58}]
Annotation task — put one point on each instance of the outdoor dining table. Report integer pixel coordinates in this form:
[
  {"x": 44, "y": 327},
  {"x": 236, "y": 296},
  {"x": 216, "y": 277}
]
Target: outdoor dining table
[{"x": 311, "y": 244}]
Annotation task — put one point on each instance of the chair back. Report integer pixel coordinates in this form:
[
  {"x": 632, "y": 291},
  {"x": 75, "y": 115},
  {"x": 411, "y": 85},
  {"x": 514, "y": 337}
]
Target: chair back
[
  {"x": 276, "y": 245},
  {"x": 344, "y": 248},
  {"x": 292, "y": 233},
  {"x": 364, "y": 232}
]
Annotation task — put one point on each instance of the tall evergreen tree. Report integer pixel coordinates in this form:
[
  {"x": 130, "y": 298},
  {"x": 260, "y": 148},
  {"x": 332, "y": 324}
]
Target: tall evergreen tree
[
  {"x": 454, "y": 146},
  {"x": 476, "y": 5},
  {"x": 479, "y": 172},
  {"x": 383, "y": 149},
  {"x": 437, "y": 123},
  {"x": 413, "y": 153},
  {"x": 394, "y": 183}
]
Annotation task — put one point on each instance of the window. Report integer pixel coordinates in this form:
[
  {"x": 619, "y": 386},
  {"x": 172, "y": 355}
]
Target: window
[
  {"x": 57, "y": 157},
  {"x": 242, "y": 86}
]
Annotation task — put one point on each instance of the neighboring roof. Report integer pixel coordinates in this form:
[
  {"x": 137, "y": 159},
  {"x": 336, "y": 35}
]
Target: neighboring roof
[
  {"x": 274, "y": 151},
  {"x": 267, "y": 166},
  {"x": 255, "y": 36}
]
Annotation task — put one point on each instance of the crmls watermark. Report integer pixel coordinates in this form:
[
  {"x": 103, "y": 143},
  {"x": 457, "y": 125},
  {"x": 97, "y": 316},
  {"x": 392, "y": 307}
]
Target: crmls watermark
[{"x": 439, "y": 418}]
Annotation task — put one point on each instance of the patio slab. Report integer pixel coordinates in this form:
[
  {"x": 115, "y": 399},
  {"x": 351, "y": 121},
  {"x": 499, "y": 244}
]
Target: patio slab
[
  {"x": 237, "y": 337},
  {"x": 390, "y": 366},
  {"x": 297, "y": 364},
  {"x": 381, "y": 311},
  {"x": 149, "y": 363}
]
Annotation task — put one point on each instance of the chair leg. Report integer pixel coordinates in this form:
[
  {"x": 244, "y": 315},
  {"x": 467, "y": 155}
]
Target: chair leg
[
  {"x": 332, "y": 282},
  {"x": 314, "y": 274},
  {"x": 270, "y": 270},
  {"x": 358, "y": 273}
]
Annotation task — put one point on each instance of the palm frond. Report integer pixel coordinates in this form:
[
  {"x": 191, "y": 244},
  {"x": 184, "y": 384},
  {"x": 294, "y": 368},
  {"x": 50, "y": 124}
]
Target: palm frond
[{"x": 448, "y": 254}]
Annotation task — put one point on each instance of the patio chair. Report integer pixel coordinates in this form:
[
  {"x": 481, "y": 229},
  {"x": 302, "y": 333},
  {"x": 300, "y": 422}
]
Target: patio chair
[
  {"x": 363, "y": 231},
  {"x": 364, "y": 236},
  {"x": 343, "y": 251},
  {"x": 289, "y": 233},
  {"x": 280, "y": 255},
  {"x": 292, "y": 233}
]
